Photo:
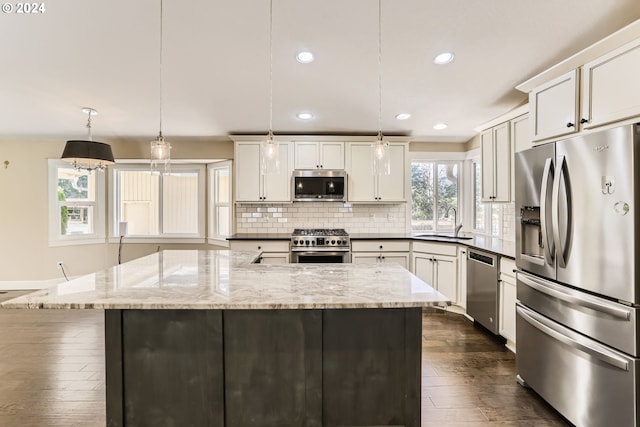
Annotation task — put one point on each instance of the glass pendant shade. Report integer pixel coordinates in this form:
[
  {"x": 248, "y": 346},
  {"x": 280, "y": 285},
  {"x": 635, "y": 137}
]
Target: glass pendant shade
[
  {"x": 160, "y": 154},
  {"x": 270, "y": 156},
  {"x": 88, "y": 155},
  {"x": 381, "y": 161}
]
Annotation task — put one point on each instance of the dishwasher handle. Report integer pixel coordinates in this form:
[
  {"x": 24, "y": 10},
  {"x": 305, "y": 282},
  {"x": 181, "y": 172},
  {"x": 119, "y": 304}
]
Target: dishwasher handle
[{"x": 481, "y": 258}]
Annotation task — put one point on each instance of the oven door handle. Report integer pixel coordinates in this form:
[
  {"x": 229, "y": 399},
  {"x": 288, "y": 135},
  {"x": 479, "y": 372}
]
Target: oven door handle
[{"x": 536, "y": 321}]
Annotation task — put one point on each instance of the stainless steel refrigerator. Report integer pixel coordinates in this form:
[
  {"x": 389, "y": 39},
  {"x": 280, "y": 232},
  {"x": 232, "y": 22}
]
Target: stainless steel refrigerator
[{"x": 576, "y": 250}]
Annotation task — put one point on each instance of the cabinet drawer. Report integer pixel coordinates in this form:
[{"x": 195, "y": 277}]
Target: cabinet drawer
[
  {"x": 380, "y": 246},
  {"x": 260, "y": 245},
  {"x": 507, "y": 267},
  {"x": 436, "y": 248}
]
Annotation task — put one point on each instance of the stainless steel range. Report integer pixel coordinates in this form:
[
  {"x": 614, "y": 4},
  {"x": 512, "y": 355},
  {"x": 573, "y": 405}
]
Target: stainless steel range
[{"x": 320, "y": 245}]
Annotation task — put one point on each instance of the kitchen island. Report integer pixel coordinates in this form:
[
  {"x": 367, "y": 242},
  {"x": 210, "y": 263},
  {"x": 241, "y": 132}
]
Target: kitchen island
[{"x": 209, "y": 338}]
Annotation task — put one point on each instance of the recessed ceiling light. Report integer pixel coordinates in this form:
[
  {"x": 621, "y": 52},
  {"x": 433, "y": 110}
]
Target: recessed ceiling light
[
  {"x": 305, "y": 57},
  {"x": 440, "y": 126},
  {"x": 304, "y": 116},
  {"x": 403, "y": 116},
  {"x": 444, "y": 58}
]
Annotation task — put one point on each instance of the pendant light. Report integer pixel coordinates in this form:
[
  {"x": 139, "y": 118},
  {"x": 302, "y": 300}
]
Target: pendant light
[
  {"x": 270, "y": 147},
  {"x": 160, "y": 149},
  {"x": 381, "y": 163},
  {"x": 88, "y": 154}
]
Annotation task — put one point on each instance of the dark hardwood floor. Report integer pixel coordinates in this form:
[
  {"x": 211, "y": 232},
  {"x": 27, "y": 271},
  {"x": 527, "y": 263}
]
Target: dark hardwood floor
[
  {"x": 52, "y": 373},
  {"x": 469, "y": 378}
]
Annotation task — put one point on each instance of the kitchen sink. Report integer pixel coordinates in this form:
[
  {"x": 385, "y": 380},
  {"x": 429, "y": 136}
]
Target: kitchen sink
[{"x": 444, "y": 236}]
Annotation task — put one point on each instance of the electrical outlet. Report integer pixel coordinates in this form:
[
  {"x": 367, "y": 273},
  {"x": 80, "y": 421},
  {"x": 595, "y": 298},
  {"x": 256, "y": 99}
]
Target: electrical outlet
[{"x": 59, "y": 264}]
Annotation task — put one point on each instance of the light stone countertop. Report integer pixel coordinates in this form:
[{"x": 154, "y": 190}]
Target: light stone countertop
[{"x": 201, "y": 279}]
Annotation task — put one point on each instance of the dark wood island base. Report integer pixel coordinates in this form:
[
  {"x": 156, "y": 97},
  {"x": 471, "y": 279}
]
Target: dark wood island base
[{"x": 291, "y": 367}]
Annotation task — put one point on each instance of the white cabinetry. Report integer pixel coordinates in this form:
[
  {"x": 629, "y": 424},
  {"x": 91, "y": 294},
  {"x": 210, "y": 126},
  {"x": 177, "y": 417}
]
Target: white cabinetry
[
  {"x": 608, "y": 89},
  {"x": 319, "y": 155},
  {"x": 364, "y": 185},
  {"x": 554, "y": 107},
  {"x": 611, "y": 87},
  {"x": 273, "y": 251},
  {"x": 520, "y": 141},
  {"x": 507, "y": 289},
  {"x": 254, "y": 186},
  {"x": 462, "y": 276},
  {"x": 495, "y": 146},
  {"x": 379, "y": 251},
  {"x": 437, "y": 265}
]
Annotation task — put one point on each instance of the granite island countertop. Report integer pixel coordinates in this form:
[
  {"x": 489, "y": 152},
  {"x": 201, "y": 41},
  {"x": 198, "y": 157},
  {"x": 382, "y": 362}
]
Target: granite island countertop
[{"x": 210, "y": 279}]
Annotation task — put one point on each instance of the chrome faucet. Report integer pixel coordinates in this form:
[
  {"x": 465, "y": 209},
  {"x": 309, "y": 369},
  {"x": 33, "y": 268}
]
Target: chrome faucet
[{"x": 455, "y": 220}]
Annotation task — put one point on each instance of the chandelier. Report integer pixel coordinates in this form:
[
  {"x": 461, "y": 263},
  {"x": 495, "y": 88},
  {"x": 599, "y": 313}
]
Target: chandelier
[{"x": 87, "y": 154}]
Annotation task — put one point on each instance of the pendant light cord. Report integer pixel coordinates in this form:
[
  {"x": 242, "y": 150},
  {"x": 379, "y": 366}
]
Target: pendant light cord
[
  {"x": 270, "y": 69},
  {"x": 380, "y": 70},
  {"x": 160, "y": 56}
]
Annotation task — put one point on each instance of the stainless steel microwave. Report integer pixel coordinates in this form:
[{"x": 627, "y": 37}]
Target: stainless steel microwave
[{"x": 315, "y": 185}]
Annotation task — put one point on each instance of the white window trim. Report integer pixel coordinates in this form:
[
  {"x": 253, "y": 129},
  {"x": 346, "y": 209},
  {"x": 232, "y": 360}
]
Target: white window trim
[
  {"x": 114, "y": 216},
  {"x": 441, "y": 157},
  {"x": 214, "y": 239},
  {"x": 474, "y": 157},
  {"x": 55, "y": 238}
]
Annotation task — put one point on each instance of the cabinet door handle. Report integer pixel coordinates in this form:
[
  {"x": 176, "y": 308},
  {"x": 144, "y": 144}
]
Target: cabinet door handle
[
  {"x": 570, "y": 125},
  {"x": 583, "y": 121}
]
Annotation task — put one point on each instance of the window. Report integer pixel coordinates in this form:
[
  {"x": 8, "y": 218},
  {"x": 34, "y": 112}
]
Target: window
[
  {"x": 487, "y": 217},
  {"x": 434, "y": 194},
  {"x": 220, "y": 207},
  {"x": 159, "y": 205},
  {"x": 76, "y": 205}
]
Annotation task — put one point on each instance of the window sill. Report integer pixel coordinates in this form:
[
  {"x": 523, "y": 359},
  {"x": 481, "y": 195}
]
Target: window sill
[
  {"x": 132, "y": 239},
  {"x": 75, "y": 242}
]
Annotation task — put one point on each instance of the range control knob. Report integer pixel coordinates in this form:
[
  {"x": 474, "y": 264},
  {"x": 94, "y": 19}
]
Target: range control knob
[
  {"x": 333, "y": 242},
  {"x": 295, "y": 242},
  {"x": 313, "y": 242},
  {"x": 306, "y": 242}
]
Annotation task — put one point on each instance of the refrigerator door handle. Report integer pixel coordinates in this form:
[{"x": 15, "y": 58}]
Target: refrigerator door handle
[
  {"x": 555, "y": 211},
  {"x": 602, "y": 354},
  {"x": 546, "y": 243},
  {"x": 547, "y": 289}
]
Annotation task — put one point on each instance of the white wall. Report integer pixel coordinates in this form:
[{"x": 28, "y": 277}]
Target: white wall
[{"x": 25, "y": 254}]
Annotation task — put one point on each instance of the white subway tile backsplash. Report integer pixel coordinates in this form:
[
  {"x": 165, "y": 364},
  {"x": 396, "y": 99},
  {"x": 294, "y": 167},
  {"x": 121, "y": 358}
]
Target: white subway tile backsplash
[{"x": 358, "y": 218}]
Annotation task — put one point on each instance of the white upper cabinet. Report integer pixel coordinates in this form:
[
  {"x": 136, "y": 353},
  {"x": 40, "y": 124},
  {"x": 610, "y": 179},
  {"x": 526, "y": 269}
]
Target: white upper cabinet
[
  {"x": 366, "y": 186},
  {"x": 554, "y": 107},
  {"x": 254, "y": 186},
  {"x": 495, "y": 151},
  {"x": 611, "y": 87},
  {"x": 520, "y": 141},
  {"x": 319, "y": 155}
]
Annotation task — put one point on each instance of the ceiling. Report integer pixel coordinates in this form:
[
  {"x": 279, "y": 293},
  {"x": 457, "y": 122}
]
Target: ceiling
[{"x": 105, "y": 54}]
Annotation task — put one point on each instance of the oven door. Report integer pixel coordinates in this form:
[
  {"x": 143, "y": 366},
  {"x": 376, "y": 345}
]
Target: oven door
[{"x": 320, "y": 257}]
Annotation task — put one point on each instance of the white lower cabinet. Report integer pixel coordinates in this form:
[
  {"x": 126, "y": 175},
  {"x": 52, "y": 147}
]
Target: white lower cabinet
[
  {"x": 273, "y": 251},
  {"x": 379, "y": 251},
  {"x": 462, "y": 277},
  {"x": 507, "y": 317},
  {"x": 437, "y": 265}
]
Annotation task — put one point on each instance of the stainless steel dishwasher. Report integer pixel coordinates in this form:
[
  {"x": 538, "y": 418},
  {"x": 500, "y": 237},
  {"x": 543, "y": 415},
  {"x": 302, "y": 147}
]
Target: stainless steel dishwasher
[{"x": 482, "y": 288}]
